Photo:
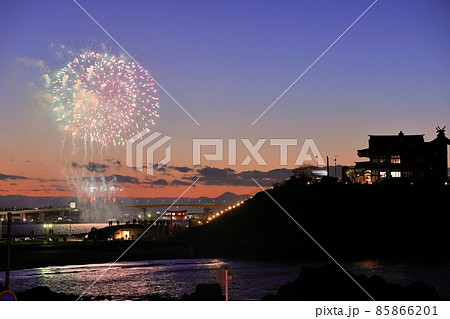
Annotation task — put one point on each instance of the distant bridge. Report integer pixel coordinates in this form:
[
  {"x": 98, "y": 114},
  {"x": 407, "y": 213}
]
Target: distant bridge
[
  {"x": 207, "y": 208},
  {"x": 210, "y": 205},
  {"x": 41, "y": 212},
  {"x": 37, "y": 211}
]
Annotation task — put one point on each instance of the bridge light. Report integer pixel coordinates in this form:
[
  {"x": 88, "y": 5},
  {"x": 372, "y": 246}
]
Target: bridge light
[{"x": 229, "y": 207}]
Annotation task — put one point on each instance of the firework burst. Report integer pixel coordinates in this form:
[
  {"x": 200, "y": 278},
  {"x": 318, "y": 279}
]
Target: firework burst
[{"x": 103, "y": 98}]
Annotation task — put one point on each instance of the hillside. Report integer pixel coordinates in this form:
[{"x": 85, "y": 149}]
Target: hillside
[{"x": 349, "y": 221}]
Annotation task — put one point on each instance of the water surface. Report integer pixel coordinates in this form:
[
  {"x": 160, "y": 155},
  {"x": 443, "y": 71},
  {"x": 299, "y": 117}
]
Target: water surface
[{"x": 173, "y": 278}]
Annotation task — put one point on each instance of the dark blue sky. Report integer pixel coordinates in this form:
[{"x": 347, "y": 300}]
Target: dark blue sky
[{"x": 225, "y": 62}]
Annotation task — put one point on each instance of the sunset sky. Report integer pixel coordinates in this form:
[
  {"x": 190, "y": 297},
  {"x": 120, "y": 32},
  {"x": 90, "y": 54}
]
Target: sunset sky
[{"x": 225, "y": 63}]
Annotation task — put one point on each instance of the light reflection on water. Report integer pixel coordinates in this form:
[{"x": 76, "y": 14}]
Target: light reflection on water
[
  {"x": 173, "y": 278},
  {"x": 170, "y": 278}
]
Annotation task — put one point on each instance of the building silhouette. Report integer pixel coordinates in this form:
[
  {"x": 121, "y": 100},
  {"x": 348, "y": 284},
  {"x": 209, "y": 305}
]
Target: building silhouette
[{"x": 404, "y": 158}]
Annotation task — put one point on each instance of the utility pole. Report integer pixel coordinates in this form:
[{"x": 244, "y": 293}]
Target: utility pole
[
  {"x": 8, "y": 251},
  {"x": 328, "y": 167},
  {"x": 335, "y": 169},
  {"x": 72, "y": 205}
]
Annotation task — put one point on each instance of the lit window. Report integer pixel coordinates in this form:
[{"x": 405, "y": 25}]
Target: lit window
[
  {"x": 383, "y": 174},
  {"x": 395, "y": 174},
  {"x": 382, "y": 158},
  {"x": 395, "y": 159},
  {"x": 407, "y": 174}
]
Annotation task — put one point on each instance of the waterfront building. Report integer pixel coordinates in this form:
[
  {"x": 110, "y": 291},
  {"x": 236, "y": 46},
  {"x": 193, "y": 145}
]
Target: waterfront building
[{"x": 405, "y": 158}]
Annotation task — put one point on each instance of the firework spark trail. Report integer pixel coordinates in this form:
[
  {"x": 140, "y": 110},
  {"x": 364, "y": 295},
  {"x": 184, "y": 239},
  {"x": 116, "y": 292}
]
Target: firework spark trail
[
  {"x": 100, "y": 100},
  {"x": 103, "y": 98}
]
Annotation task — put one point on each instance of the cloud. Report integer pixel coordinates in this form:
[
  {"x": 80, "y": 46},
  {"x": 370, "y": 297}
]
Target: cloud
[
  {"x": 95, "y": 167},
  {"x": 189, "y": 178},
  {"x": 181, "y": 169},
  {"x": 57, "y": 186},
  {"x": 217, "y": 176},
  {"x": 4, "y": 177},
  {"x": 47, "y": 79},
  {"x": 120, "y": 179},
  {"x": 92, "y": 167},
  {"x": 275, "y": 175},
  {"x": 228, "y": 176},
  {"x": 156, "y": 183},
  {"x": 123, "y": 179},
  {"x": 160, "y": 182},
  {"x": 32, "y": 62},
  {"x": 155, "y": 167},
  {"x": 168, "y": 170},
  {"x": 114, "y": 162},
  {"x": 161, "y": 169},
  {"x": 177, "y": 182}
]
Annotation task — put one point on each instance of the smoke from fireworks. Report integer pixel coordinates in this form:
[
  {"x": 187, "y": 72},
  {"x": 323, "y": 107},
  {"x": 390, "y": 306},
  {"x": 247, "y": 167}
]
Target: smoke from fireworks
[{"x": 102, "y": 98}]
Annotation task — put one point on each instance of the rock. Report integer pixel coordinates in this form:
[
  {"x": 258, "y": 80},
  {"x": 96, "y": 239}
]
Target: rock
[
  {"x": 43, "y": 294},
  {"x": 205, "y": 292},
  {"x": 329, "y": 282}
]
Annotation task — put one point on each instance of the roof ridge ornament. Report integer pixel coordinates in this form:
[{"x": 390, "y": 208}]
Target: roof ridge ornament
[
  {"x": 441, "y": 135},
  {"x": 440, "y": 130}
]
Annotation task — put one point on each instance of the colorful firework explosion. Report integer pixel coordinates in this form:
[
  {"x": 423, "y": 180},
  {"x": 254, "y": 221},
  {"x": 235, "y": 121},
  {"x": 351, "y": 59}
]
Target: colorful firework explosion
[{"x": 102, "y": 98}]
